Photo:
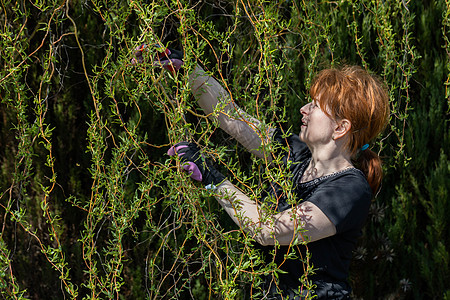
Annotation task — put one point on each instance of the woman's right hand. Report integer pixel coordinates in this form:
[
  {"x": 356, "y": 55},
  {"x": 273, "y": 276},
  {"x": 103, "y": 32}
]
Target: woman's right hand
[{"x": 169, "y": 59}]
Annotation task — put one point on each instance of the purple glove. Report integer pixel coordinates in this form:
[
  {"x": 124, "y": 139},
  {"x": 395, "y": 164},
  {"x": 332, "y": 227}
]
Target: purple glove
[
  {"x": 188, "y": 166},
  {"x": 195, "y": 164},
  {"x": 169, "y": 59},
  {"x": 138, "y": 57}
]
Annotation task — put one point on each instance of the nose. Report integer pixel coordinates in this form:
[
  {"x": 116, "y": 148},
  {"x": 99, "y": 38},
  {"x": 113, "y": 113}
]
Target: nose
[{"x": 305, "y": 108}]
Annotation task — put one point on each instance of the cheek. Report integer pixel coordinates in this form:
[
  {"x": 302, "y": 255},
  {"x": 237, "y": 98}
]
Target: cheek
[
  {"x": 327, "y": 126},
  {"x": 328, "y": 123},
  {"x": 323, "y": 127},
  {"x": 324, "y": 119}
]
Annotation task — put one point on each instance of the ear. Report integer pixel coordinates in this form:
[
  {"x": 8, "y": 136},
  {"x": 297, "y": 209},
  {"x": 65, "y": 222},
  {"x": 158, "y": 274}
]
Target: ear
[{"x": 342, "y": 127}]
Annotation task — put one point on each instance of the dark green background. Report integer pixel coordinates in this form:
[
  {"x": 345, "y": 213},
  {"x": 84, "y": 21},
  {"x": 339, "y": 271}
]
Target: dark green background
[{"x": 92, "y": 207}]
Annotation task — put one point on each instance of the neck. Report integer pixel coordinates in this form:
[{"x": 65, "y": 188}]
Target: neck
[{"x": 326, "y": 160}]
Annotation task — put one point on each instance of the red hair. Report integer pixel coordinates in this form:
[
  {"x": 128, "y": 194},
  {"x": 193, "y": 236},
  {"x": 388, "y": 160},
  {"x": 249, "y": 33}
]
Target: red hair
[{"x": 352, "y": 93}]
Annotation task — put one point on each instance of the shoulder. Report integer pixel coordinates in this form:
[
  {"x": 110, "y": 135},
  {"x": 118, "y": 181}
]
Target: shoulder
[{"x": 344, "y": 198}]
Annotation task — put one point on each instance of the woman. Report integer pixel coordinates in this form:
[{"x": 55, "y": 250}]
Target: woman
[{"x": 333, "y": 176}]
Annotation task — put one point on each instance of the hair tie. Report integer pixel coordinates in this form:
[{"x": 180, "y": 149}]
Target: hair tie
[{"x": 365, "y": 147}]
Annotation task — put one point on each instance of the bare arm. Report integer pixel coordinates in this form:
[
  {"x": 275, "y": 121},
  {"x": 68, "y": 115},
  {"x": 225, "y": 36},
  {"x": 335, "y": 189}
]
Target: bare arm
[
  {"x": 247, "y": 130},
  {"x": 282, "y": 227}
]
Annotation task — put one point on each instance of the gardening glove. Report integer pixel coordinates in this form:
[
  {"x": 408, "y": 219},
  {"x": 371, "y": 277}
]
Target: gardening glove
[
  {"x": 196, "y": 165},
  {"x": 169, "y": 59}
]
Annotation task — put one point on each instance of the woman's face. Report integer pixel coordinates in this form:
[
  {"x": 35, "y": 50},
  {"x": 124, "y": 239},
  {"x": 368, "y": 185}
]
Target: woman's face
[{"x": 317, "y": 128}]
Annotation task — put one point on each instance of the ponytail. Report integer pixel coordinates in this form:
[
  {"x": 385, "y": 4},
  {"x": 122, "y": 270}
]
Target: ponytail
[{"x": 370, "y": 164}]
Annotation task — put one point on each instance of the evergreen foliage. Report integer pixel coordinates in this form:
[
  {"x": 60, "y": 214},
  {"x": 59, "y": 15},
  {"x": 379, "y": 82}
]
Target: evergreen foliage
[{"x": 91, "y": 207}]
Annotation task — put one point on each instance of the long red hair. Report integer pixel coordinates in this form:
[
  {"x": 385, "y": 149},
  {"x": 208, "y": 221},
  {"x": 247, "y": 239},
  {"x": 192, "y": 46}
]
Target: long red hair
[{"x": 352, "y": 93}]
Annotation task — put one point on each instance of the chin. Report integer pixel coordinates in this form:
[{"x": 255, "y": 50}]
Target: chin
[
  {"x": 304, "y": 139},
  {"x": 300, "y": 135}
]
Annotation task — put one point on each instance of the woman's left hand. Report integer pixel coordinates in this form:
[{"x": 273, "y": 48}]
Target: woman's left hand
[{"x": 195, "y": 164}]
